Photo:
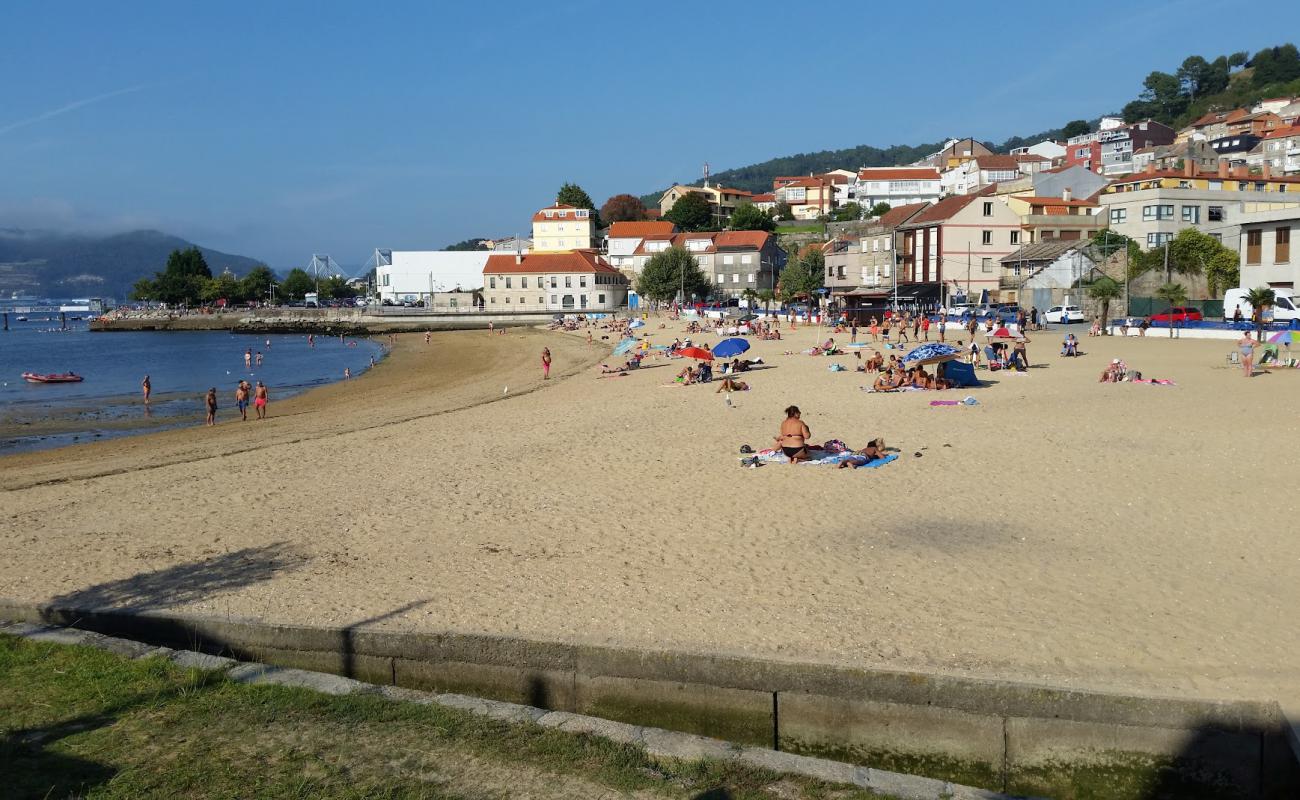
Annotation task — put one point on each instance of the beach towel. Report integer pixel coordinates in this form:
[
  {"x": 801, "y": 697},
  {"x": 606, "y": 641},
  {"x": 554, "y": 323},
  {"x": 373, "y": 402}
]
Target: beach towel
[
  {"x": 879, "y": 462},
  {"x": 1154, "y": 381}
]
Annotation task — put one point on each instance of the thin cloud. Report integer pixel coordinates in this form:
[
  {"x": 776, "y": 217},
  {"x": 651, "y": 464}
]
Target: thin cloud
[{"x": 73, "y": 106}]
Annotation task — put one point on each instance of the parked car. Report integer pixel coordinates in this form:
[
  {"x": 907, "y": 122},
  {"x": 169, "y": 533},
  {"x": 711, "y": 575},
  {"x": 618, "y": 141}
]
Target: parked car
[
  {"x": 1060, "y": 314},
  {"x": 1178, "y": 314},
  {"x": 1284, "y": 308}
]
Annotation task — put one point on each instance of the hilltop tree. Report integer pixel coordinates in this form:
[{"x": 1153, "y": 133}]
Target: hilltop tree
[
  {"x": 1162, "y": 100},
  {"x": 297, "y": 284},
  {"x": 1198, "y": 77},
  {"x": 879, "y": 210},
  {"x": 749, "y": 217},
  {"x": 571, "y": 194},
  {"x": 691, "y": 212},
  {"x": 183, "y": 280},
  {"x": 1074, "y": 128},
  {"x": 671, "y": 271},
  {"x": 472, "y": 243},
  {"x": 1275, "y": 65},
  {"x": 622, "y": 208}
]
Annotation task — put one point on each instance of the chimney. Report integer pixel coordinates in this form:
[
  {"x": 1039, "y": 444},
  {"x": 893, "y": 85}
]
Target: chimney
[
  {"x": 1189, "y": 166},
  {"x": 1066, "y": 194},
  {"x": 1267, "y": 171},
  {"x": 1240, "y": 172},
  {"x": 519, "y": 257},
  {"x": 1151, "y": 168},
  {"x": 1223, "y": 168}
]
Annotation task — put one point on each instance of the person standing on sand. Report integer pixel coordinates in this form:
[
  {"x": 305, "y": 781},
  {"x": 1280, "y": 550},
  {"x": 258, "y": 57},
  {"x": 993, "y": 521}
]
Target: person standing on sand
[
  {"x": 546, "y": 363},
  {"x": 794, "y": 436},
  {"x": 241, "y": 400},
  {"x": 212, "y": 406},
  {"x": 490, "y": 327},
  {"x": 260, "y": 399},
  {"x": 427, "y": 336},
  {"x": 1247, "y": 347},
  {"x": 147, "y": 388}
]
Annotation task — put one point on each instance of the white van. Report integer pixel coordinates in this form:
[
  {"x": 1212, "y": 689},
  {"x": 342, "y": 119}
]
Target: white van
[{"x": 1284, "y": 306}]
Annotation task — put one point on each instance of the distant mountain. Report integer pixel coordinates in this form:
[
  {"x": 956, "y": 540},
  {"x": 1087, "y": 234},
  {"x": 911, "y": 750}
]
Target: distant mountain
[{"x": 52, "y": 264}]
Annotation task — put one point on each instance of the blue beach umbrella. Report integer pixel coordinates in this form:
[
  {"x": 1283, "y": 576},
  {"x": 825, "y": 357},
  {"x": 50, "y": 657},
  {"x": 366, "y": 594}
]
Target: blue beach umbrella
[
  {"x": 929, "y": 353},
  {"x": 636, "y": 323},
  {"x": 730, "y": 348},
  {"x": 624, "y": 346}
]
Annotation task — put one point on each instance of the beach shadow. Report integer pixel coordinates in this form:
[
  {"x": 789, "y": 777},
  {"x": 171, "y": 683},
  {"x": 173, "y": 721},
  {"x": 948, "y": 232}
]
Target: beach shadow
[
  {"x": 348, "y": 643},
  {"x": 1252, "y": 761},
  {"x": 185, "y": 583}
]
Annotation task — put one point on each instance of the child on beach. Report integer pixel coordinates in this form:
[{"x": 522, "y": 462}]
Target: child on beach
[{"x": 546, "y": 362}]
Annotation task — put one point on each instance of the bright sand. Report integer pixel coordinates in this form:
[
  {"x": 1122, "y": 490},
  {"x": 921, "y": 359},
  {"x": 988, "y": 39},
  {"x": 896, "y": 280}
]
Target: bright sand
[{"x": 1124, "y": 537}]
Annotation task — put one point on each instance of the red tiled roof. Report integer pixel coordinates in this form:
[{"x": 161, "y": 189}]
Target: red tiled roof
[
  {"x": 944, "y": 209},
  {"x": 1053, "y": 201},
  {"x": 733, "y": 239},
  {"x": 1209, "y": 119},
  {"x": 898, "y": 174},
  {"x": 1022, "y": 157},
  {"x": 740, "y": 192},
  {"x": 635, "y": 230},
  {"x": 587, "y": 261},
  {"x": 997, "y": 162},
  {"x": 833, "y": 177},
  {"x": 766, "y": 197},
  {"x": 897, "y": 216},
  {"x": 1283, "y": 133},
  {"x": 566, "y": 212},
  {"x": 780, "y": 183}
]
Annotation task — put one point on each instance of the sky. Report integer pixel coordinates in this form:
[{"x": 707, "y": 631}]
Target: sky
[{"x": 282, "y": 129}]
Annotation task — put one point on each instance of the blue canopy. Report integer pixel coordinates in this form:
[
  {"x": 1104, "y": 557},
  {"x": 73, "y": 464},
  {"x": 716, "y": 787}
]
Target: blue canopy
[
  {"x": 730, "y": 348},
  {"x": 624, "y": 346},
  {"x": 932, "y": 350},
  {"x": 960, "y": 374}
]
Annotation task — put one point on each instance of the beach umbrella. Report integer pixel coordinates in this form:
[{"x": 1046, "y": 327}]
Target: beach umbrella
[
  {"x": 636, "y": 323},
  {"x": 749, "y": 317},
  {"x": 730, "y": 348},
  {"x": 1287, "y": 338},
  {"x": 624, "y": 346},
  {"x": 1003, "y": 333},
  {"x": 695, "y": 352},
  {"x": 932, "y": 353}
]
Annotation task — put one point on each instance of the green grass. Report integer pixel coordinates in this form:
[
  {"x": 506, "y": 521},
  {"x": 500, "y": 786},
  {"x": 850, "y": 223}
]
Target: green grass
[
  {"x": 78, "y": 722},
  {"x": 811, "y": 228}
]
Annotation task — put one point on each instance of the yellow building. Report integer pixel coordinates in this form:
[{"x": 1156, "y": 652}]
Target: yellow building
[{"x": 562, "y": 227}]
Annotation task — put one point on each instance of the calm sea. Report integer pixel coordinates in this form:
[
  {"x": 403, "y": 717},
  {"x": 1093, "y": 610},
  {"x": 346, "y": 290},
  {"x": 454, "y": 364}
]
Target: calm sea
[{"x": 180, "y": 365}]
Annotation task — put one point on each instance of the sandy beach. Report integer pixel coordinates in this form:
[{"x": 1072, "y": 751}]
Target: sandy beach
[{"x": 1062, "y": 531}]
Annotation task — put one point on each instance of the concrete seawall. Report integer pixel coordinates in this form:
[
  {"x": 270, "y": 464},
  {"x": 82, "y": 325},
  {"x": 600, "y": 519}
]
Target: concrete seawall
[
  {"x": 329, "y": 322},
  {"x": 1004, "y": 736}
]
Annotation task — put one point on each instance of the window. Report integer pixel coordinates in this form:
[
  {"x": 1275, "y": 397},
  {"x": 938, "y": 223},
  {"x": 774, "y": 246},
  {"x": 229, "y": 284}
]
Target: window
[
  {"x": 552, "y": 284},
  {"x": 1243, "y": 185},
  {"x": 1158, "y": 239},
  {"x": 541, "y": 301},
  {"x": 1192, "y": 214},
  {"x": 385, "y": 278},
  {"x": 1162, "y": 211},
  {"x": 493, "y": 300},
  {"x": 1253, "y": 241},
  {"x": 523, "y": 282},
  {"x": 986, "y": 237},
  {"x": 1282, "y": 245},
  {"x": 507, "y": 281},
  {"x": 1214, "y": 213},
  {"x": 986, "y": 264},
  {"x": 875, "y": 245},
  {"x": 735, "y": 277},
  {"x": 720, "y": 277},
  {"x": 1184, "y": 184},
  {"x": 507, "y": 298},
  {"x": 492, "y": 282},
  {"x": 841, "y": 272},
  {"x": 583, "y": 301},
  {"x": 553, "y": 300},
  {"x": 748, "y": 258},
  {"x": 1118, "y": 216},
  {"x": 600, "y": 298},
  {"x": 568, "y": 281},
  {"x": 1216, "y": 186},
  {"x": 750, "y": 279},
  {"x": 988, "y": 211},
  {"x": 1260, "y": 186},
  {"x": 582, "y": 281},
  {"x": 728, "y": 259},
  {"x": 1015, "y": 237}
]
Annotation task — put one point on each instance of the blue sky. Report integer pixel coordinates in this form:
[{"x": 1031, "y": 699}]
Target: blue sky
[{"x": 280, "y": 129}]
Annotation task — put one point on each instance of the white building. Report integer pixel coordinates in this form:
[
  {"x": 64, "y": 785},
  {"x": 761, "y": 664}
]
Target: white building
[
  {"x": 562, "y": 227},
  {"x": 1047, "y": 149},
  {"x": 898, "y": 186},
  {"x": 624, "y": 238},
  {"x": 1266, "y": 249},
  {"x": 416, "y": 274}
]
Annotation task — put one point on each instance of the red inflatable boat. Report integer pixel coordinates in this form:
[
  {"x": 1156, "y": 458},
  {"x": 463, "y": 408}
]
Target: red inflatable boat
[{"x": 67, "y": 377}]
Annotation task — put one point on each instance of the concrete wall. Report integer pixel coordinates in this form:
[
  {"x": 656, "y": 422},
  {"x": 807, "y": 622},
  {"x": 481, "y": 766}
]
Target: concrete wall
[
  {"x": 335, "y": 321},
  {"x": 999, "y": 735}
]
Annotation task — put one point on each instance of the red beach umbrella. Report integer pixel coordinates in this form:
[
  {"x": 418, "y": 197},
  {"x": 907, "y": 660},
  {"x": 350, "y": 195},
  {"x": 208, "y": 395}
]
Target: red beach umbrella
[
  {"x": 695, "y": 352},
  {"x": 1003, "y": 333}
]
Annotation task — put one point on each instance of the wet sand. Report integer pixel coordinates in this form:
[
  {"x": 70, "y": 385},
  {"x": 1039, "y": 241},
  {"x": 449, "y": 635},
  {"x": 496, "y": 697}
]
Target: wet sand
[{"x": 1062, "y": 531}]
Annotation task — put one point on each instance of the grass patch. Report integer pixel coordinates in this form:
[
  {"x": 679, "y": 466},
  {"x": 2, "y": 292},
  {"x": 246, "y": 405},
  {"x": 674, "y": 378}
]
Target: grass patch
[
  {"x": 79, "y": 722},
  {"x": 811, "y": 228}
]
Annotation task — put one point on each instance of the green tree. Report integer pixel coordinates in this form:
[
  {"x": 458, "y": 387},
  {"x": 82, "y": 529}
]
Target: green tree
[
  {"x": 766, "y": 296},
  {"x": 1275, "y": 65},
  {"x": 472, "y": 243},
  {"x": 1162, "y": 100},
  {"x": 223, "y": 287},
  {"x": 879, "y": 210},
  {"x": 1260, "y": 298},
  {"x": 1238, "y": 59},
  {"x": 622, "y": 208},
  {"x": 571, "y": 194},
  {"x": 749, "y": 217},
  {"x": 183, "y": 278},
  {"x": 257, "y": 283},
  {"x": 691, "y": 212},
  {"x": 145, "y": 289},
  {"x": 1104, "y": 290},
  {"x": 1223, "y": 271},
  {"x": 848, "y": 212},
  {"x": 669, "y": 272},
  {"x": 297, "y": 284},
  {"x": 782, "y": 212},
  {"x": 802, "y": 276},
  {"x": 1175, "y": 294},
  {"x": 335, "y": 288},
  {"x": 1076, "y": 127}
]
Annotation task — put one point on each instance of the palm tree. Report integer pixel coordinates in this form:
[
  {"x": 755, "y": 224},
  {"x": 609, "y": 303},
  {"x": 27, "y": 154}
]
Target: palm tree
[
  {"x": 1260, "y": 299},
  {"x": 1105, "y": 289},
  {"x": 1174, "y": 294},
  {"x": 767, "y": 296},
  {"x": 750, "y": 296}
]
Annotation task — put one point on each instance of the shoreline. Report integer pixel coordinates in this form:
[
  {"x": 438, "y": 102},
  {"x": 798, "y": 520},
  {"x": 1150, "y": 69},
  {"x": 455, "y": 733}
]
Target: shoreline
[{"x": 1042, "y": 535}]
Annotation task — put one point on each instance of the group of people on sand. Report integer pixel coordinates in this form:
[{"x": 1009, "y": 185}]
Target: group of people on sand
[
  {"x": 899, "y": 377},
  {"x": 897, "y": 326},
  {"x": 259, "y": 394},
  {"x": 793, "y": 438}
]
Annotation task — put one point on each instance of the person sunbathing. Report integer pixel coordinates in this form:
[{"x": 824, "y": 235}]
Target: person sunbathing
[
  {"x": 874, "y": 451},
  {"x": 793, "y": 436},
  {"x": 885, "y": 382},
  {"x": 687, "y": 376},
  {"x": 731, "y": 385},
  {"x": 876, "y": 362}
]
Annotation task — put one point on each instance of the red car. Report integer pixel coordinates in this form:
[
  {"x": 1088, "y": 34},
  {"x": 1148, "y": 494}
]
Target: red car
[{"x": 1178, "y": 314}]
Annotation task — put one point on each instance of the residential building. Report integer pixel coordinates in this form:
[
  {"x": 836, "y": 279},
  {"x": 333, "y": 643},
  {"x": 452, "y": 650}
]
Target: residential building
[
  {"x": 511, "y": 244},
  {"x": 863, "y": 264},
  {"x": 1234, "y": 148},
  {"x": 1152, "y": 206},
  {"x": 766, "y": 201},
  {"x": 1273, "y": 104},
  {"x": 842, "y": 180},
  {"x": 1042, "y": 273},
  {"x": 1080, "y": 181},
  {"x": 981, "y": 172},
  {"x": 623, "y": 239},
  {"x": 1086, "y": 153},
  {"x": 954, "y": 153},
  {"x": 951, "y": 249},
  {"x": 1064, "y": 217},
  {"x": 1256, "y": 124},
  {"x": 809, "y": 198},
  {"x": 897, "y": 186},
  {"x": 1047, "y": 149},
  {"x": 573, "y": 280},
  {"x": 562, "y": 227},
  {"x": 1212, "y": 125},
  {"x": 722, "y": 201},
  {"x": 1267, "y": 258},
  {"x": 735, "y": 260},
  {"x": 1119, "y": 144},
  {"x": 1173, "y": 156},
  {"x": 402, "y": 275},
  {"x": 1282, "y": 150}
]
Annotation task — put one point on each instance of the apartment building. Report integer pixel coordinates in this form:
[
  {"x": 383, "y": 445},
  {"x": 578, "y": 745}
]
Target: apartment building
[
  {"x": 623, "y": 239},
  {"x": 897, "y": 186},
  {"x": 735, "y": 260},
  {"x": 1119, "y": 144},
  {"x": 808, "y": 197},
  {"x": 1063, "y": 217},
  {"x": 1152, "y": 206},
  {"x": 574, "y": 280},
  {"x": 1266, "y": 255},
  {"x": 1281, "y": 151},
  {"x": 562, "y": 227},
  {"x": 863, "y": 263},
  {"x": 951, "y": 249},
  {"x": 722, "y": 200}
]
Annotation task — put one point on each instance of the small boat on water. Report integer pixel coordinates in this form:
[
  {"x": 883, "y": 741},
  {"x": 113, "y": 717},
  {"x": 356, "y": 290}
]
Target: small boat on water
[
  {"x": 21, "y": 319},
  {"x": 66, "y": 377}
]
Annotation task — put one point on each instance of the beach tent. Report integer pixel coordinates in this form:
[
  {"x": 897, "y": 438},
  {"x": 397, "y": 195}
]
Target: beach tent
[{"x": 960, "y": 373}]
